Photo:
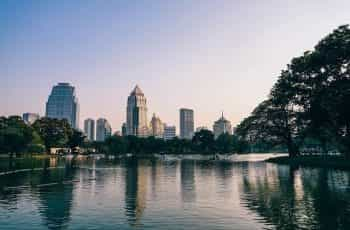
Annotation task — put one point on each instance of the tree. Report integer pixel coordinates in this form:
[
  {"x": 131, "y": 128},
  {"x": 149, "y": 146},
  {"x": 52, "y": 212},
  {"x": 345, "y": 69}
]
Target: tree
[
  {"x": 272, "y": 123},
  {"x": 116, "y": 145},
  {"x": 225, "y": 143},
  {"x": 76, "y": 139},
  {"x": 15, "y": 135},
  {"x": 320, "y": 80},
  {"x": 54, "y": 132},
  {"x": 203, "y": 141}
]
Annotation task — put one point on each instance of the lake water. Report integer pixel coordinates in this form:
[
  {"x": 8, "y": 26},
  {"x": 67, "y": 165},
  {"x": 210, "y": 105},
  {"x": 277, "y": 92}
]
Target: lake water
[{"x": 171, "y": 193}]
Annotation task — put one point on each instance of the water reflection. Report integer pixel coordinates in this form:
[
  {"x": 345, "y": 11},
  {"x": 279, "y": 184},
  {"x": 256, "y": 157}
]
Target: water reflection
[
  {"x": 188, "y": 188},
  {"x": 176, "y": 194},
  {"x": 135, "y": 190},
  {"x": 292, "y": 198}
]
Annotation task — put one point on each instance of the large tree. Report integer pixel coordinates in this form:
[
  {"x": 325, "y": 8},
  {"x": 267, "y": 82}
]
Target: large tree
[
  {"x": 271, "y": 123},
  {"x": 54, "y": 132},
  {"x": 15, "y": 135}
]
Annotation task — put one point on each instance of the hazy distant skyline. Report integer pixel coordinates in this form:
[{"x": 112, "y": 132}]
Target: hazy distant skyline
[{"x": 210, "y": 56}]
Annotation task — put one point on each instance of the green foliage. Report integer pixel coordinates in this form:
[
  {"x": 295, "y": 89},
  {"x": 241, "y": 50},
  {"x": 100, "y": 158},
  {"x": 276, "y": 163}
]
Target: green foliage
[
  {"x": 15, "y": 135},
  {"x": 116, "y": 145},
  {"x": 203, "y": 141},
  {"x": 54, "y": 132},
  {"x": 310, "y": 99},
  {"x": 76, "y": 139}
]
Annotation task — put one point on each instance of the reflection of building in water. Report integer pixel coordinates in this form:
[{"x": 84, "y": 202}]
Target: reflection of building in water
[
  {"x": 53, "y": 162},
  {"x": 56, "y": 201},
  {"x": 188, "y": 189},
  {"x": 56, "y": 204},
  {"x": 135, "y": 191}
]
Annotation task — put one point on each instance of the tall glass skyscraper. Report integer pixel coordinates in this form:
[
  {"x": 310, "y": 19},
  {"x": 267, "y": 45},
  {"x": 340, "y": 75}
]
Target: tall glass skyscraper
[
  {"x": 136, "y": 114},
  {"x": 186, "y": 123},
  {"x": 63, "y": 104}
]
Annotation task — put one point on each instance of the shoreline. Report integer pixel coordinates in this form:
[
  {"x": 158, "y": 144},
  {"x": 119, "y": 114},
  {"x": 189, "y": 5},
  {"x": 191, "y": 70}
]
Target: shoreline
[{"x": 334, "y": 162}]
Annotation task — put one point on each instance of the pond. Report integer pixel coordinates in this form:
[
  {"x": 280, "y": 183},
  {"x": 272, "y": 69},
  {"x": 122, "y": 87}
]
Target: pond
[{"x": 170, "y": 193}]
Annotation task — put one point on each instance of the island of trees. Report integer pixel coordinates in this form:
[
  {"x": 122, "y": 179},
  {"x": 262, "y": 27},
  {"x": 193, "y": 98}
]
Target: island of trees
[{"x": 309, "y": 106}]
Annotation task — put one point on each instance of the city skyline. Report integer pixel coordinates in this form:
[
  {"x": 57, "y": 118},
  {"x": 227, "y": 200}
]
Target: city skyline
[{"x": 225, "y": 54}]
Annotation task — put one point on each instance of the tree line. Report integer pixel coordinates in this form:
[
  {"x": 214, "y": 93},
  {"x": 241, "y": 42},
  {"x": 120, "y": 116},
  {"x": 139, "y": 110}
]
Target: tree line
[
  {"x": 18, "y": 137},
  {"x": 309, "y": 101},
  {"x": 46, "y": 133}
]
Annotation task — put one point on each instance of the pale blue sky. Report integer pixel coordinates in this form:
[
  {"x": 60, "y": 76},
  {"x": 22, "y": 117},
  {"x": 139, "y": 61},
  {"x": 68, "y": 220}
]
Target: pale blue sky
[{"x": 206, "y": 55}]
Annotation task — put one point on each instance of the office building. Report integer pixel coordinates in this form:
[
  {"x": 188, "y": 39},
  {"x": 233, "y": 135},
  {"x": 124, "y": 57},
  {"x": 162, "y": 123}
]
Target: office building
[
  {"x": 169, "y": 132},
  {"x": 63, "y": 104},
  {"x": 157, "y": 127},
  {"x": 124, "y": 130},
  {"x": 136, "y": 115},
  {"x": 186, "y": 123},
  {"x": 89, "y": 129},
  {"x": 222, "y": 126},
  {"x": 103, "y": 129},
  {"x": 30, "y": 118}
]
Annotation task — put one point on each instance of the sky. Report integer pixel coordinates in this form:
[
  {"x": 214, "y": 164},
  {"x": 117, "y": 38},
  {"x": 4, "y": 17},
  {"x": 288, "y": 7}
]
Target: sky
[{"x": 211, "y": 56}]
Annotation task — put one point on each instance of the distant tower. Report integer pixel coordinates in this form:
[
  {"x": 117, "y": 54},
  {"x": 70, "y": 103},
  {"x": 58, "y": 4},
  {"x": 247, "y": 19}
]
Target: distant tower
[
  {"x": 157, "y": 127},
  {"x": 124, "y": 129},
  {"x": 89, "y": 129},
  {"x": 136, "y": 114},
  {"x": 63, "y": 104},
  {"x": 222, "y": 126},
  {"x": 186, "y": 123},
  {"x": 30, "y": 118},
  {"x": 169, "y": 132},
  {"x": 103, "y": 129}
]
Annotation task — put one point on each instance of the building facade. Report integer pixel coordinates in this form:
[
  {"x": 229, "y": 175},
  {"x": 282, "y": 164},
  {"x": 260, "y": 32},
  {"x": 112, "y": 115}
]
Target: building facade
[
  {"x": 30, "y": 118},
  {"x": 222, "y": 126},
  {"x": 89, "y": 129},
  {"x": 124, "y": 130},
  {"x": 169, "y": 132},
  {"x": 136, "y": 114},
  {"x": 186, "y": 123},
  {"x": 157, "y": 127},
  {"x": 103, "y": 129},
  {"x": 63, "y": 104}
]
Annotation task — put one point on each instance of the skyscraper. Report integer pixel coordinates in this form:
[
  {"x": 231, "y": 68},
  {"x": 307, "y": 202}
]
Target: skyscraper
[
  {"x": 63, "y": 104},
  {"x": 186, "y": 123},
  {"x": 136, "y": 114},
  {"x": 222, "y": 126},
  {"x": 157, "y": 127},
  {"x": 169, "y": 132},
  {"x": 89, "y": 129},
  {"x": 103, "y": 129},
  {"x": 124, "y": 132},
  {"x": 30, "y": 118}
]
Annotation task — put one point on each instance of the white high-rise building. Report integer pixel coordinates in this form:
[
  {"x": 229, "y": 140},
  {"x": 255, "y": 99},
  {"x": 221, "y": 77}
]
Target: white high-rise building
[
  {"x": 136, "y": 114},
  {"x": 222, "y": 126},
  {"x": 30, "y": 118},
  {"x": 186, "y": 123},
  {"x": 169, "y": 132},
  {"x": 157, "y": 127},
  {"x": 63, "y": 104},
  {"x": 89, "y": 129},
  {"x": 103, "y": 129}
]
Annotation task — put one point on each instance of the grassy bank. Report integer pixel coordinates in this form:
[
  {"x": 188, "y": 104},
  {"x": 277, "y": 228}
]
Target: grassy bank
[{"x": 338, "y": 162}]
